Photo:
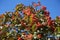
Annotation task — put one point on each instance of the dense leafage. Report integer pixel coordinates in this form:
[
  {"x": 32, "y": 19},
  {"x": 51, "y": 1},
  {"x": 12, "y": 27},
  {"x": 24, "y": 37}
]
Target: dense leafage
[{"x": 34, "y": 25}]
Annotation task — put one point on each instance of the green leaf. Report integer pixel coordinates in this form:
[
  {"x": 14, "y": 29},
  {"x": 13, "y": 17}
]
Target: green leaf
[
  {"x": 33, "y": 27},
  {"x": 19, "y": 7},
  {"x": 58, "y": 29}
]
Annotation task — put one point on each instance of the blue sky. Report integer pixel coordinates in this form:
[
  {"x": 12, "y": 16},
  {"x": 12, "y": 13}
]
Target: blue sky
[{"x": 53, "y": 6}]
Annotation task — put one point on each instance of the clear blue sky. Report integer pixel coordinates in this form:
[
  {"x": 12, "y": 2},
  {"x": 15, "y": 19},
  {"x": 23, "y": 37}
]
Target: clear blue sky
[{"x": 52, "y": 5}]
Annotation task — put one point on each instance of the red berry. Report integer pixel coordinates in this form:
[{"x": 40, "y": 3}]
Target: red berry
[
  {"x": 43, "y": 7},
  {"x": 46, "y": 13},
  {"x": 39, "y": 36}
]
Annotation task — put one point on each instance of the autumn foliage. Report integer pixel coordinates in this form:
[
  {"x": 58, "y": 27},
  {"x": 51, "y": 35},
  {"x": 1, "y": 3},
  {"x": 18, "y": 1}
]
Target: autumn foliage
[{"x": 28, "y": 23}]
